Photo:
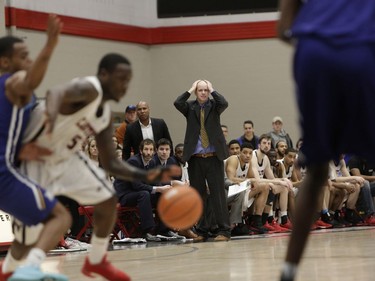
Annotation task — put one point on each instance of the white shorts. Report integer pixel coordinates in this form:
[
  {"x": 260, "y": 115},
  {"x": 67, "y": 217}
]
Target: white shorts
[{"x": 76, "y": 177}]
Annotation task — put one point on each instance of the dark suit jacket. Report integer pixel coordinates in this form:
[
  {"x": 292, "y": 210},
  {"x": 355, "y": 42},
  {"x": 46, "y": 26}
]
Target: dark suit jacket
[
  {"x": 133, "y": 136},
  {"x": 170, "y": 161},
  {"x": 212, "y": 112},
  {"x": 124, "y": 187}
]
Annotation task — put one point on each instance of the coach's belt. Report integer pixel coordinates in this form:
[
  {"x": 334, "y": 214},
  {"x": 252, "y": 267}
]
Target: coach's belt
[{"x": 205, "y": 155}]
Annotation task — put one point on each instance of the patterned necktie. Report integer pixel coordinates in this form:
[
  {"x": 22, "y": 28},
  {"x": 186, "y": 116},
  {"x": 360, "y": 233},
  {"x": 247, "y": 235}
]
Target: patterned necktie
[{"x": 204, "y": 136}]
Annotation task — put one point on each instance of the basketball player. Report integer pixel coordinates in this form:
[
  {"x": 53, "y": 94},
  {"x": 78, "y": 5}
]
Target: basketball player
[
  {"x": 334, "y": 68},
  {"x": 19, "y": 196},
  {"x": 237, "y": 170},
  {"x": 75, "y": 111},
  {"x": 262, "y": 170}
]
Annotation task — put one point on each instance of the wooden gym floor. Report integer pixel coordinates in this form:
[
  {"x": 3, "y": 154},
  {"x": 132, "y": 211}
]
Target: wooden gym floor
[{"x": 333, "y": 255}]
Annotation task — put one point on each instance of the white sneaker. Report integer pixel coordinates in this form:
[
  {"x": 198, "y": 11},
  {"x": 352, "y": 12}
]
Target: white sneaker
[{"x": 73, "y": 244}]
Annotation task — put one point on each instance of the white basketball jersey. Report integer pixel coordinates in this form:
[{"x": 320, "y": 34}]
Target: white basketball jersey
[
  {"x": 260, "y": 166},
  {"x": 289, "y": 172},
  {"x": 70, "y": 131},
  {"x": 242, "y": 173},
  {"x": 68, "y": 171}
]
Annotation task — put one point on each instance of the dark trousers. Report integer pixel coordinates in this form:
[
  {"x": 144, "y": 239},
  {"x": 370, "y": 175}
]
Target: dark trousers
[
  {"x": 209, "y": 172},
  {"x": 365, "y": 203},
  {"x": 78, "y": 220},
  {"x": 145, "y": 201}
]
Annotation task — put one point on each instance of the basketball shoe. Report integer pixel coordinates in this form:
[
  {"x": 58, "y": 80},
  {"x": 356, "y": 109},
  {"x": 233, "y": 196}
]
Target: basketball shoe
[
  {"x": 32, "y": 273},
  {"x": 287, "y": 224},
  {"x": 277, "y": 227},
  {"x": 104, "y": 269},
  {"x": 4, "y": 276},
  {"x": 370, "y": 221},
  {"x": 322, "y": 225}
]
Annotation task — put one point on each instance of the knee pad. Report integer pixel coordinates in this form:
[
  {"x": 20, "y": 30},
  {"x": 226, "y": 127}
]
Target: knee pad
[{"x": 26, "y": 234}]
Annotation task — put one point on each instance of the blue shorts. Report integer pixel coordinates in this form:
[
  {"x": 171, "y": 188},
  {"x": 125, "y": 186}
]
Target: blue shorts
[
  {"x": 22, "y": 198},
  {"x": 336, "y": 99}
]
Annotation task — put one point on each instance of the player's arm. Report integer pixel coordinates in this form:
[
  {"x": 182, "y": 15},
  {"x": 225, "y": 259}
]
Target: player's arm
[
  {"x": 253, "y": 167},
  {"x": 267, "y": 171},
  {"x": 357, "y": 172},
  {"x": 296, "y": 175},
  {"x": 20, "y": 87},
  {"x": 288, "y": 11},
  {"x": 231, "y": 170},
  {"x": 123, "y": 170}
]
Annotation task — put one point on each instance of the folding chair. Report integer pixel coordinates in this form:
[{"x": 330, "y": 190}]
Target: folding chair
[{"x": 124, "y": 215}]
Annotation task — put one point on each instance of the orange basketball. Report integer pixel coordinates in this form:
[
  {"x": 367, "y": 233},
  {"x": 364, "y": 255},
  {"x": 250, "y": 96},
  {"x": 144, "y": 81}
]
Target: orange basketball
[{"x": 180, "y": 207}]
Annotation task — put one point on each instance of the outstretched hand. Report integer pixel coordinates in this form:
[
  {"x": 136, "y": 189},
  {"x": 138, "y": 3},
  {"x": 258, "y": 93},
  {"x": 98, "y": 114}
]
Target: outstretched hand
[
  {"x": 163, "y": 174},
  {"x": 54, "y": 27},
  {"x": 33, "y": 152}
]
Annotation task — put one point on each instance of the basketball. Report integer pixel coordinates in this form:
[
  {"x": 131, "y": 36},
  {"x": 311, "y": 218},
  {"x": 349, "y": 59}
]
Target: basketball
[{"x": 180, "y": 207}]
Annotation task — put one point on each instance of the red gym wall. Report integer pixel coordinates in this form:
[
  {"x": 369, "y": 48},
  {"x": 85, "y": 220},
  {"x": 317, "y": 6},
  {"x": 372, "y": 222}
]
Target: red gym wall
[{"x": 161, "y": 35}]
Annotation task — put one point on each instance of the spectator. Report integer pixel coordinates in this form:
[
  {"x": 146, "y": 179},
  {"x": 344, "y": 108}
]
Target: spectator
[
  {"x": 130, "y": 117},
  {"x": 205, "y": 150},
  {"x": 145, "y": 128},
  {"x": 224, "y": 128},
  {"x": 249, "y": 135},
  {"x": 278, "y": 133}
]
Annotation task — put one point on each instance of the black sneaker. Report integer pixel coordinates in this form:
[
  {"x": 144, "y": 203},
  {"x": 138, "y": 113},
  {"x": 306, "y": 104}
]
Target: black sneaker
[
  {"x": 283, "y": 278},
  {"x": 327, "y": 218},
  {"x": 353, "y": 217},
  {"x": 258, "y": 228},
  {"x": 240, "y": 229},
  {"x": 339, "y": 216}
]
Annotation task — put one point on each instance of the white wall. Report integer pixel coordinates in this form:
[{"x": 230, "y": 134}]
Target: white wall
[{"x": 254, "y": 75}]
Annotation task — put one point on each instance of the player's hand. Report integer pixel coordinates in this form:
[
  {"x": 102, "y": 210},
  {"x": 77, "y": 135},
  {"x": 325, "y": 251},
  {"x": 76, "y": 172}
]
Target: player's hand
[
  {"x": 164, "y": 188},
  {"x": 194, "y": 87},
  {"x": 176, "y": 183},
  {"x": 164, "y": 174},
  {"x": 54, "y": 27},
  {"x": 33, "y": 152},
  {"x": 359, "y": 180}
]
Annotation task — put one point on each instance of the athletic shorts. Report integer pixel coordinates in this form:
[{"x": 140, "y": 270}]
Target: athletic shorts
[
  {"x": 336, "y": 98},
  {"x": 76, "y": 177},
  {"x": 23, "y": 198}
]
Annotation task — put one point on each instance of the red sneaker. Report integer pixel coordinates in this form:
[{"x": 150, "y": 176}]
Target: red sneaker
[
  {"x": 279, "y": 228},
  {"x": 104, "y": 269},
  {"x": 287, "y": 225},
  {"x": 370, "y": 221},
  {"x": 269, "y": 227},
  {"x": 4, "y": 276},
  {"x": 322, "y": 225}
]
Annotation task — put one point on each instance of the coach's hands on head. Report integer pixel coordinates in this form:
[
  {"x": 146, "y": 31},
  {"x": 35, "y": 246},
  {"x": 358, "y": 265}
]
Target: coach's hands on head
[
  {"x": 209, "y": 85},
  {"x": 163, "y": 174},
  {"x": 194, "y": 87}
]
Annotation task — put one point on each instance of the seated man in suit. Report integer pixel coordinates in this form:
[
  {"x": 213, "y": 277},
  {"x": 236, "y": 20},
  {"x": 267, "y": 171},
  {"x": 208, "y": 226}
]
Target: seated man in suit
[
  {"x": 140, "y": 194},
  {"x": 145, "y": 128}
]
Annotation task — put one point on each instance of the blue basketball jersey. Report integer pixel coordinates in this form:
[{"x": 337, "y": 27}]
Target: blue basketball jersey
[
  {"x": 12, "y": 124},
  {"x": 19, "y": 196},
  {"x": 338, "y": 21}
]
